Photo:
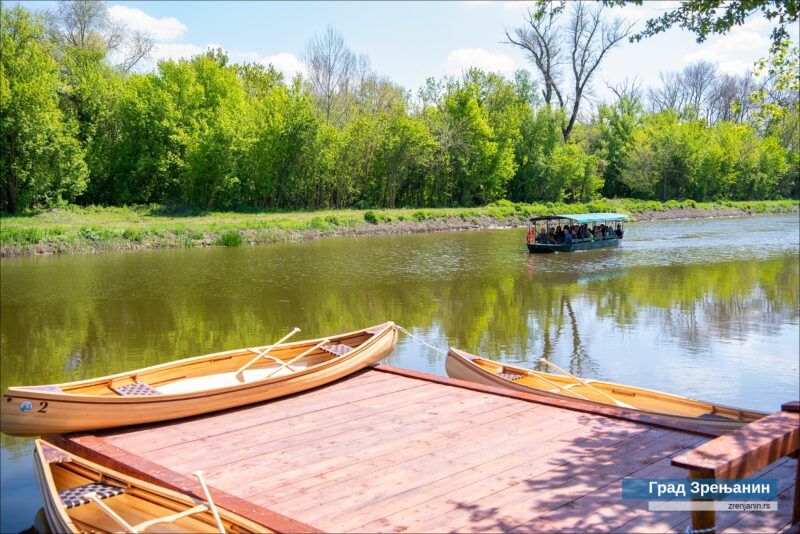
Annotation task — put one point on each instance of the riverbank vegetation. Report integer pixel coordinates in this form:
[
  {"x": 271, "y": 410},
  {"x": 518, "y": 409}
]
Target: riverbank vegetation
[
  {"x": 81, "y": 125},
  {"x": 96, "y": 229}
]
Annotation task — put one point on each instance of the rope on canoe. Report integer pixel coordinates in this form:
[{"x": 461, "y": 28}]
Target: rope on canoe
[{"x": 409, "y": 334}]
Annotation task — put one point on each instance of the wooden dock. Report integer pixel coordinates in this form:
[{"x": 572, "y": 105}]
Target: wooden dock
[{"x": 389, "y": 450}]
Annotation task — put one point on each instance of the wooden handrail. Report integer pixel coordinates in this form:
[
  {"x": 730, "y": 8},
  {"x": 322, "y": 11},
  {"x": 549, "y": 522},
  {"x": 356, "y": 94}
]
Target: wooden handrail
[{"x": 744, "y": 452}]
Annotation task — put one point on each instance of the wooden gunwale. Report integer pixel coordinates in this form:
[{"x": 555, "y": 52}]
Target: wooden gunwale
[
  {"x": 99, "y": 451},
  {"x": 578, "y": 405}
]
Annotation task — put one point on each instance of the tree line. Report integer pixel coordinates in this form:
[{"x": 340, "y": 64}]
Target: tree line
[{"x": 79, "y": 124}]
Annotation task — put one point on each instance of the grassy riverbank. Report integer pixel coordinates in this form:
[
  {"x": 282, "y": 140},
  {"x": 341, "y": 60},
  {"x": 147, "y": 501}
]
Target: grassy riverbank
[{"x": 96, "y": 229}]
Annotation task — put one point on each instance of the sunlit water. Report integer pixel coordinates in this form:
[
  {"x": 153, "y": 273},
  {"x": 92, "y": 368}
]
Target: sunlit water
[{"x": 707, "y": 309}]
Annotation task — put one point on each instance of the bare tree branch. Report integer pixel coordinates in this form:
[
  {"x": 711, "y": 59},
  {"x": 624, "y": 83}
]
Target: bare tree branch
[{"x": 588, "y": 38}]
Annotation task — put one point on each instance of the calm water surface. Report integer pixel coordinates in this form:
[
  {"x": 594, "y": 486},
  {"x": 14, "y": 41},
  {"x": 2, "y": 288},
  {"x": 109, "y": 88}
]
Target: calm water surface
[{"x": 707, "y": 309}]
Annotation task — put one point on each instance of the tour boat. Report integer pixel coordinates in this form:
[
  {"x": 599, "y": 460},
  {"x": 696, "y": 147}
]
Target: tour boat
[
  {"x": 81, "y": 496},
  {"x": 465, "y": 366},
  {"x": 540, "y": 239},
  {"x": 192, "y": 386}
]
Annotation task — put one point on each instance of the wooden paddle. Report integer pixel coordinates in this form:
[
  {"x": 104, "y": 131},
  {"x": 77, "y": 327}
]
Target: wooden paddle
[
  {"x": 303, "y": 355},
  {"x": 240, "y": 372},
  {"x": 92, "y": 496},
  {"x": 588, "y": 385},
  {"x": 209, "y": 501},
  {"x": 558, "y": 386}
]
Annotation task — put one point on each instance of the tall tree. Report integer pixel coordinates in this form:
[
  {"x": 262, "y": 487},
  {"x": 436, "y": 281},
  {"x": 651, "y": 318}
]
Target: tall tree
[
  {"x": 42, "y": 163},
  {"x": 85, "y": 25},
  {"x": 586, "y": 40},
  {"x": 331, "y": 70}
]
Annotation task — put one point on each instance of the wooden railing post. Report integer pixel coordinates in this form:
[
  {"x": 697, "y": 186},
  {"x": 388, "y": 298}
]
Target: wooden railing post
[
  {"x": 702, "y": 520},
  {"x": 743, "y": 453}
]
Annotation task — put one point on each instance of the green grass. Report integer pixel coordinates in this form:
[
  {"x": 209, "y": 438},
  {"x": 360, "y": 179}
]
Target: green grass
[
  {"x": 96, "y": 228},
  {"x": 231, "y": 238}
]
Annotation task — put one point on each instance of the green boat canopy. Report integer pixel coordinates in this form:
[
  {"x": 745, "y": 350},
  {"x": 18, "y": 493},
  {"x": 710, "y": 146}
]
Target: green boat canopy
[{"x": 584, "y": 218}]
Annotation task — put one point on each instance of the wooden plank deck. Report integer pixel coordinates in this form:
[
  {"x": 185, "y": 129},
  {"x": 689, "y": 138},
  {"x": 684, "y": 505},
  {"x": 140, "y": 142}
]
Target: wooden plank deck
[{"x": 389, "y": 450}]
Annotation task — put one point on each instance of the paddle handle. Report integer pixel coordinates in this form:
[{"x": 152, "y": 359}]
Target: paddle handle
[
  {"x": 265, "y": 352},
  {"x": 199, "y": 475}
]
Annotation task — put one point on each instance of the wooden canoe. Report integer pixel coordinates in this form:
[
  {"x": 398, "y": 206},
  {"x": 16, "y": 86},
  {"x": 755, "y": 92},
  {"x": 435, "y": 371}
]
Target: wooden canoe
[
  {"x": 465, "y": 366},
  {"x": 72, "y": 486},
  {"x": 192, "y": 386}
]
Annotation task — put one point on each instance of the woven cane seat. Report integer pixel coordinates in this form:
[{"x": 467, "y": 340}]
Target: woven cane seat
[
  {"x": 136, "y": 388},
  {"x": 76, "y": 496},
  {"x": 510, "y": 376},
  {"x": 339, "y": 350}
]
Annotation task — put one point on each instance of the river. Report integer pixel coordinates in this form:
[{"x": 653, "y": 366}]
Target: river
[{"x": 704, "y": 308}]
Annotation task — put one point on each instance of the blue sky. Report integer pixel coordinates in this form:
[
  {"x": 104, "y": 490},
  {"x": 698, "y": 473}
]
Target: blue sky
[{"x": 411, "y": 41}]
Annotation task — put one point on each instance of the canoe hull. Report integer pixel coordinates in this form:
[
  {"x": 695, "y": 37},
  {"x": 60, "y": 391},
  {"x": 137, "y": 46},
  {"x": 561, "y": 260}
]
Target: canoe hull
[
  {"x": 27, "y": 412},
  {"x": 59, "y": 520},
  {"x": 459, "y": 365},
  {"x": 541, "y": 248}
]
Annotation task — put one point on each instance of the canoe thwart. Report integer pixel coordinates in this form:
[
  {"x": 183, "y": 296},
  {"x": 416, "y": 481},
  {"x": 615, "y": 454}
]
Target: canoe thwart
[
  {"x": 337, "y": 349},
  {"x": 136, "y": 389},
  {"x": 72, "y": 497}
]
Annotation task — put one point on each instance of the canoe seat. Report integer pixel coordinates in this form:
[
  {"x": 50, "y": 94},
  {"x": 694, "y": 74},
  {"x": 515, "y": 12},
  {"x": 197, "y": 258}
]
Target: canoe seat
[
  {"x": 339, "y": 350},
  {"x": 137, "y": 388},
  {"x": 510, "y": 376},
  {"x": 72, "y": 497}
]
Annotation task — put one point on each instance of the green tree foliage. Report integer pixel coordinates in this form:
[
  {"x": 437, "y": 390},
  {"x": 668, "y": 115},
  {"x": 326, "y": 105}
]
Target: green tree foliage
[
  {"x": 549, "y": 168},
  {"x": 42, "y": 161},
  {"x": 614, "y": 128},
  {"x": 674, "y": 158},
  {"x": 77, "y": 126}
]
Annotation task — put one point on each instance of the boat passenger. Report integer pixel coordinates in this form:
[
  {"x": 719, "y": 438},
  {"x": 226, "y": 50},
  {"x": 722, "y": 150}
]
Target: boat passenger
[
  {"x": 541, "y": 237},
  {"x": 568, "y": 237},
  {"x": 559, "y": 234},
  {"x": 551, "y": 237},
  {"x": 619, "y": 231}
]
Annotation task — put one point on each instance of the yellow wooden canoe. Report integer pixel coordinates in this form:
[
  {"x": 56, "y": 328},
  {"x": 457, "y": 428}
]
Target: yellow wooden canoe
[
  {"x": 192, "y": 386},
  {"x": 81, "y": 496},
  {"x": 465, "y": 366}
]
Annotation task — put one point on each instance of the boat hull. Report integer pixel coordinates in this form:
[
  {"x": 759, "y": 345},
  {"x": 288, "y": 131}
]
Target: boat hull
[
  {"x": 144, "y": 501},
  {"x": 30, "y": 412},
  {"x": 541, "y": 248},
  {"x": 459, "y": 364}
]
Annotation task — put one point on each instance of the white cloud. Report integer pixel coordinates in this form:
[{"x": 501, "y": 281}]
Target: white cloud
[
  {"x": 285, "y": 62},
  {"x": 163, "y": 29},
  {"x": 175, "y": 51},
  {"x": 736, "y": 51},
  {"x": 463, "y": 58}
]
